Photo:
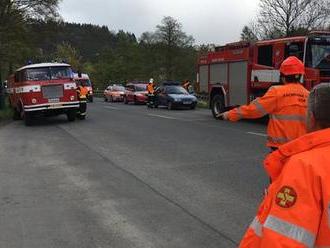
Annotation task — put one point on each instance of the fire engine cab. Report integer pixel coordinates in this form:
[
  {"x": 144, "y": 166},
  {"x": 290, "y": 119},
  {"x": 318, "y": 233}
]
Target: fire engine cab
[
  {"x": 43, "y": 89},
  {"x": 237, "y": 73}
]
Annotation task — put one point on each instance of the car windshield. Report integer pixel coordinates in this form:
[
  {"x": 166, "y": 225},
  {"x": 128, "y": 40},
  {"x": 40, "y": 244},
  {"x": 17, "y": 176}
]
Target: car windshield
[
  {"x": 118, "y": 88},
  {"x": 318, "y": 54},
  {"x": 48, "y": 73},
  {"x": 140, "y": 87},
  {"x": 176, "y": 90}
]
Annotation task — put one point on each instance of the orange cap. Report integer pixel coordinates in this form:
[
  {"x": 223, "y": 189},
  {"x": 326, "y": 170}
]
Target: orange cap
[{"x": 292, "y": 66}]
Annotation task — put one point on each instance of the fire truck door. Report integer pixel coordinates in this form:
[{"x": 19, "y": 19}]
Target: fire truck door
[
  {"x": 218, "y": 73},
  {"x": 238, "y": 83},
  {"x": 203, "y": 78}
]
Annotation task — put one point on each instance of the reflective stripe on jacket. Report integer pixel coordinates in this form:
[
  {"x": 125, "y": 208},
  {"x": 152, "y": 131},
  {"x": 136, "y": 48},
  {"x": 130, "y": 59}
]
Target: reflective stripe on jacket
[
  {"x": 296, "y": 211},
  {"x": 286, "y": 106}
]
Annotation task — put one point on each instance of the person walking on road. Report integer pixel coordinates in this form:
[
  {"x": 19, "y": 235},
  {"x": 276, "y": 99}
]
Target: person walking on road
[
  {"x": 151, "y": 92},
  {"x": 296, "y": 210},
  {"x": 285, "y": 104}
]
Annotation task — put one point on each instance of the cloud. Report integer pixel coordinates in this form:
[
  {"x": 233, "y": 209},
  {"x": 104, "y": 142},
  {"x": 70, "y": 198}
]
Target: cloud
[{"x": 208, "y": 21}]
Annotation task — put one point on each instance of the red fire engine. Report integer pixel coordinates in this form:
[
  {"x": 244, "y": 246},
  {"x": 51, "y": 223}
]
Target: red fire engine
[
  {"x": 43, "y": 89},
  {"x": 237, "y": 73}
]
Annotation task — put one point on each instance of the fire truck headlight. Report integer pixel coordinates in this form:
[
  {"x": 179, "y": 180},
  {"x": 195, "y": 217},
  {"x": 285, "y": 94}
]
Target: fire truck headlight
[
  {"x": 72, "y": 98},
  {"x": 34, "y": 101}
]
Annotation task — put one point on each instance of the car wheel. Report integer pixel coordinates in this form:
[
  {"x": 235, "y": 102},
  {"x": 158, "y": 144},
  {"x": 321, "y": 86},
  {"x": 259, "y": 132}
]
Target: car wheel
[
  {"x": 193, "y": 106},
  {"x": 217, "y": 105},
  {"x": 135, "y": 101},
  {"x": 105, "y": 99},
  {"x": 111, "y": 99},
  {"x": 125, "y": 100},
  {"x": 170, "y": 106}
]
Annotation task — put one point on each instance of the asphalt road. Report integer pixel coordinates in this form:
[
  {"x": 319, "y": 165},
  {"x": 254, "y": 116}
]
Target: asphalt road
[{"x": 129, "y": 176}]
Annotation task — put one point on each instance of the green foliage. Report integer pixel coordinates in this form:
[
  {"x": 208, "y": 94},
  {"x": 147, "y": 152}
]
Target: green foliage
[
  {"x": 69, "y": 54},
  {"x": 108, "y": 57}
]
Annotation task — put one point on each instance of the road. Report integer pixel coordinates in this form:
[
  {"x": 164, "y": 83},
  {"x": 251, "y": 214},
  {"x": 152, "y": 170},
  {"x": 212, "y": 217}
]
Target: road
[{"x": 129, "y": 176}]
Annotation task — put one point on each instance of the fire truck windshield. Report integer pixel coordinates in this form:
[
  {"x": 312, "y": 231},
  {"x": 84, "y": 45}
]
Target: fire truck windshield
[
  {"x": 84, "y": 82},
  {"x": 318, "y": 53},
  {"x": 48, "y": 73}
]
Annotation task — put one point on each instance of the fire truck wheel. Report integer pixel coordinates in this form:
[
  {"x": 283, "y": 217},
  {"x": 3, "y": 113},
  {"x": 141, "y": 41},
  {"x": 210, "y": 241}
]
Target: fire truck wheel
[
  {"x": 217, "y": 105},
  {"x": 28, "y": 119},
  {"x": 16, "y": 114},
  {"x": 71, "y": 115}
]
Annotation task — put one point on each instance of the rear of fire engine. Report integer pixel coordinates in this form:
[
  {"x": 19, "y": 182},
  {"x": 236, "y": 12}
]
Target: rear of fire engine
[
  {"x": 45, "y": 89},
  {"x": 237, "y": 73}
]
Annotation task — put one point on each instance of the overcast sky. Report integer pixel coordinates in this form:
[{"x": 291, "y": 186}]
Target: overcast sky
[{"x": 208, "y": 21}]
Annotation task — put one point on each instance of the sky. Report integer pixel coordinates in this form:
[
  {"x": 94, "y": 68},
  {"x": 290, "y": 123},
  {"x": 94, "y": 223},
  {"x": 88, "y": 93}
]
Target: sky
[{"x": 208, "y": 21}]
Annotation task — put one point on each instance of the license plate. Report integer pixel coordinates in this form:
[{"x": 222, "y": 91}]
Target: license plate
[
  {"x": 54, "y": 106},
  {"x": 187, "y": 102},
  {"x": 53, "y": 100}
]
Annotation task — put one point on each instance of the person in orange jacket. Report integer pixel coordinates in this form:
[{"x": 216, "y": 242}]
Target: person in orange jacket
[
  {"x": 151, "y": 93},
  {"x": 296, "y": 210},
  {"x": 82, "y": 92},
  {"x": 285, "y": 104}
]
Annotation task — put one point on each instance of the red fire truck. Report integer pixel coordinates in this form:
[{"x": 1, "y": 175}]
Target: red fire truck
[
  {"x": 43, "y": 89},
  {"x": 237, "y": 73}
]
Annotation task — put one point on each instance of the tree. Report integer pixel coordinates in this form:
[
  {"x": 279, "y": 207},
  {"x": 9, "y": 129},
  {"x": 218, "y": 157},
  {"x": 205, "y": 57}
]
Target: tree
[
  {"x": 37, "y": 9},
  {"x": 248, "y": 34},
  {"x": 14, "y": 15},
  {"x": 66, "y": 52},
  {"x": 279, "y": 18},
  {"x": 170, "y": 36}
]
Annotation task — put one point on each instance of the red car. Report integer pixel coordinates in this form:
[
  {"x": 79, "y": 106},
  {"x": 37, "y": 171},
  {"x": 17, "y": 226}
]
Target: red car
[
  {"x": 136, "y": 93},
  {"x": 114, "y": 93}
]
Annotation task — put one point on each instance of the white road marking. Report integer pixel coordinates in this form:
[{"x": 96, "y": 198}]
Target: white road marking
[
  {"x": 163, "y": 116},
  {"x": 109, "y": 107},
  {"x": 258, "y": 134}
]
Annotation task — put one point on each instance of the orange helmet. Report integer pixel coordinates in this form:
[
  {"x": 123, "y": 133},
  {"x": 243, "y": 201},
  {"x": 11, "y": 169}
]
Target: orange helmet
[{"x": 292, "y": 66}]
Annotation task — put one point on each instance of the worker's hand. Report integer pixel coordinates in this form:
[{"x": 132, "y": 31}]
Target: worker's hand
[{"x": 223, "y": 116}]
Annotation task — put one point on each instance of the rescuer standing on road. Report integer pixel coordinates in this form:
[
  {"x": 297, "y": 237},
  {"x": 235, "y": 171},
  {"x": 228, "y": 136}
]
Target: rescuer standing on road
[
  {"x": 285, "y": 104},
  {"x": 296, "y": 210},
  {"x": 82, "y": 92},
  {"x": 151, "y": 92}
]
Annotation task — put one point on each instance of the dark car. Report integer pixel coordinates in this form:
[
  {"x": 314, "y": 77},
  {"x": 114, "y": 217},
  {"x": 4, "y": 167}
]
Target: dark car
[{"x": 174, "y": 96}]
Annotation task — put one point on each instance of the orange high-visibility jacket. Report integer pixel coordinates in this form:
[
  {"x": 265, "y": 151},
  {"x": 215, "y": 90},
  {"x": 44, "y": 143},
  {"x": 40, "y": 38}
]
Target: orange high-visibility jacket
[
  {"x": 286, "y": 106},
  {"x": 296, "y": 211},
  {"x": 150, "y": 88},
  {"x": 82, "y": 92}
]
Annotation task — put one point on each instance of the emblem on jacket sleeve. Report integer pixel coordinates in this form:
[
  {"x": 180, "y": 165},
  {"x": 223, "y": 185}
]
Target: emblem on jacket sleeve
[{"x": 286, "y": 197}]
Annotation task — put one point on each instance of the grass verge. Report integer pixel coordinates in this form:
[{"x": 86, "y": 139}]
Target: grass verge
[
  {"x": 6, "y": 112},
  {"x": 203, "y": 104}
]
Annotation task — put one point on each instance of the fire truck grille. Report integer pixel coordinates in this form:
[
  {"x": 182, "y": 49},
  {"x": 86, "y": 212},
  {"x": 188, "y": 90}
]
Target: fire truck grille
[{"x": 52, "y": 91}]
